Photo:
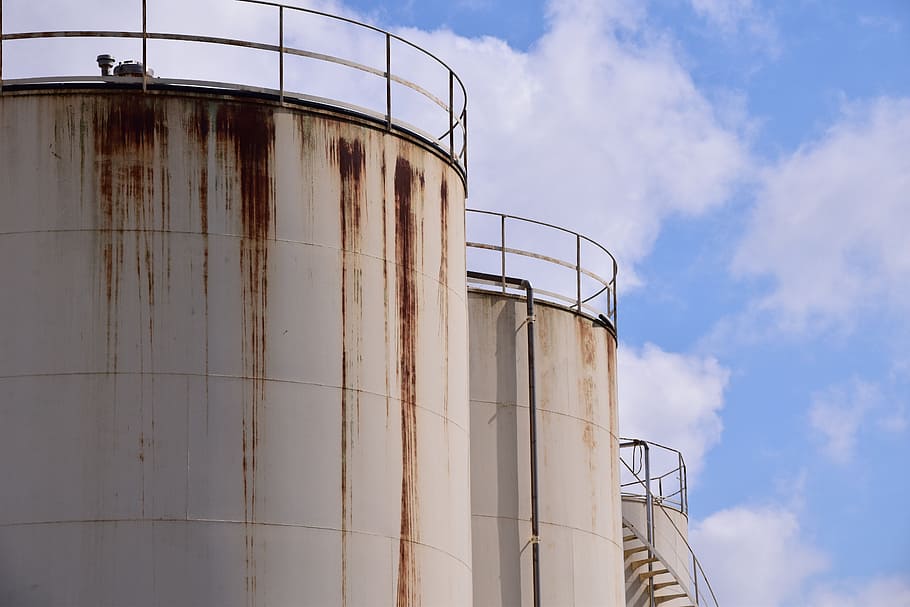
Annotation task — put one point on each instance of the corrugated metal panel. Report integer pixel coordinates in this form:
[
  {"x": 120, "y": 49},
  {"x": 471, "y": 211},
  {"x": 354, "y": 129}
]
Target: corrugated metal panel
[{"x": 234, "y": 360}]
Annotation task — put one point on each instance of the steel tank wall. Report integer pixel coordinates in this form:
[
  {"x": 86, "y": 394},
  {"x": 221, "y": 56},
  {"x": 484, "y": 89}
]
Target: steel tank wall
[
  {"x": 580, "y": 523},
  {"x": 233, "y": 358}
]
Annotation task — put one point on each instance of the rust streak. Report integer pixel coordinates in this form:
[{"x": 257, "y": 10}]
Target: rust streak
[
  {"x": 407, "y": 296},
  {"x": 246, "y": 136},
  {"x": 444, "y": 292},
  {"x": 198, "y": 132},
  {"x": 351, "y": 162},
  {"x": 127, "y": 134}
]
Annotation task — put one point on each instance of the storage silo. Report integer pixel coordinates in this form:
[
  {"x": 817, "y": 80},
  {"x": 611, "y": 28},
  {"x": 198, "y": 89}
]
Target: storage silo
[
  {"x": 234, "y": 363},
  {"x": 562, "y": 379}
]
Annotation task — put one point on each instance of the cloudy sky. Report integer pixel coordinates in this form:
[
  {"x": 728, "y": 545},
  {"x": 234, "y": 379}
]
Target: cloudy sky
[{"x": 748, "y": 162}]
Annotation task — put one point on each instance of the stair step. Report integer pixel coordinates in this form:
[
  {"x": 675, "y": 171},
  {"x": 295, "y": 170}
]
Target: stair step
[
  {"x": 630, "y": 551},
  {"x": 659, "y": 585},
  {"x": 629, "y": 538},
  {"x": 636, "y": 564},
  {"x": 669, "y": 597},
  {"x": 649, "y": 574}
]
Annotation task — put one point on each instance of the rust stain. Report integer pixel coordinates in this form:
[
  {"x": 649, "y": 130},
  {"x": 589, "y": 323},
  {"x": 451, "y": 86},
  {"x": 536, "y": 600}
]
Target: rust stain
[
  {"x": 586, "y": 338},
  {"x": 350, "y": 159},
  {"x": 588, "y": 386},
  {"x": 197, "y": 128},
  {"x": 245, "y": 134},
  {"x": 407, "y": 296},
  {"x": 444, "y": 301},
  {"x": 385, "y": 281},
  {"x": 130, "y": 139},
  {"x": 130, "y": 147}
]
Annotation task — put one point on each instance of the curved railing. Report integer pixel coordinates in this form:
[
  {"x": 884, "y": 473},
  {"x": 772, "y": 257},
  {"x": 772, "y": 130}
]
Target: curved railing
[
  {"x": 666, "y": 474},
  {"x": 565, "y": 267},
  {"x": 675, "y": 495},
  {"x": 448, "y": 96}
]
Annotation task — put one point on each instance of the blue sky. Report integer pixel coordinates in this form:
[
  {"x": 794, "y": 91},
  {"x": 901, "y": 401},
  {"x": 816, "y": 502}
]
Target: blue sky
[{"x": 748, "y": 162}]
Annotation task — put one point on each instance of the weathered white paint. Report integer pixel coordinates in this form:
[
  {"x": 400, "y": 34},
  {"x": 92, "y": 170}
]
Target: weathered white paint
[
  {"x": 189, "y": 417},
  {"x": 581, "y": 541}
]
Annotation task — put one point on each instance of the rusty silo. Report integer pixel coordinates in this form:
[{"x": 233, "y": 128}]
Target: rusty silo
[{"x": 234, "y": 341}]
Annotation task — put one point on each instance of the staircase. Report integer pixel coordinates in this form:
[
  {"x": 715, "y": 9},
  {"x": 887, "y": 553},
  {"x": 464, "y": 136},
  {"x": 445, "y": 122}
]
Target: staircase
[{"x": 642, "y": 566}]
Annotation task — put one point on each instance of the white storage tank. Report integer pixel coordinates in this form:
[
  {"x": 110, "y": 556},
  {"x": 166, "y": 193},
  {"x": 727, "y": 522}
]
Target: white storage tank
[
  {"x": 233, "y": 357},
  {"x": 580, "y": 540}
]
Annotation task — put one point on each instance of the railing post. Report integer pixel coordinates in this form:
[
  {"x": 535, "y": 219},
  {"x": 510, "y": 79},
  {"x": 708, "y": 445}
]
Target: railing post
[
  {"x": 502, "y": 250},
  {"x": 1, "y": 46},
  {"x": 388, "y": 81},
  {"x": 695, "y": 579},
  {"x": 281, "y": 54},
  {"x": 578, "y": 271},
  {"x": 613, "y": 315},
  {"x": 464, "y": 130},
  {"x": 145, "y": 63},
  {"x": 451, "y": 116},
  {"x": 649, "y": 515}
]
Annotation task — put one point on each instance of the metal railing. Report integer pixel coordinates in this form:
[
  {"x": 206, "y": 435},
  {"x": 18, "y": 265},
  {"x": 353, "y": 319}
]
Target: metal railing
[
  {"x": 453, "y": 141},
  {"x": 668, "y": 487},
  {"x": 589, "y": 292},
  {"x": 699, "y": 588}
]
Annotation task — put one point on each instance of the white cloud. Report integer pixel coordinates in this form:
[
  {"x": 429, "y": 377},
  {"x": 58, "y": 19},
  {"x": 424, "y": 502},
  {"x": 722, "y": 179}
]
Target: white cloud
[
  {"x": 841, "y": 413},
  {"x": 891, "y": 25},
  {"x": 829, "y": 227},
  {"x": 756, "y": 556},
  {"x": 892, "y": 591},
  {"x": 737, "y": 17},
  {"x": 598, "y": 127},
  {"x": 724, "y": 13},
  {"x": 673, "y": 399},
  {"x": 836, "y": 415}
]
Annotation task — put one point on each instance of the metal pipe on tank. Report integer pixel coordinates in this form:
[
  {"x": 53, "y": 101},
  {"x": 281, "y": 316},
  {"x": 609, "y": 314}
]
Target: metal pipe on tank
[{"x": 532, "y": 413}]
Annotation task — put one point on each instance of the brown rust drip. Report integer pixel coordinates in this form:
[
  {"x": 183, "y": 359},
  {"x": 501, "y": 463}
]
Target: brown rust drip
[
  {"x": 407, "y": 295},
  {"x": 444, "y": 292},
  {"x": 246, "y": 138},
  {"x": 130, "y": 144},
  {"x": 385, "y": 281},
  {"x": 350, "y": 159},
  {"x": 587, "y": 339},
  {"x": 197, "y": 128}
]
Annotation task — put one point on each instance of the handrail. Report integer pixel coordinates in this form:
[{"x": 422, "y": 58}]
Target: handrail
[
  {"x": 446, "y": 141},
  {"x": 676, "y": 494},
  {"x": 589, "y": 286},
  {"x": 698, "y": 580}
]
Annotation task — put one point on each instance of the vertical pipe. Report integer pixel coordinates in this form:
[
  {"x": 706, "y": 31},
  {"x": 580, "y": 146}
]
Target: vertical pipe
[
  {"x": 144, "y": 45},
  {"x": 502, "y": 250},
  {"x": 451, "y": 115},
  {"x": 281, "y": 54},
  {"x": 578, "y": 271},
  {"x": 388, "y": 81},
  {"x": 649, "y": 515},
  {"x": 532, "y": 413}
]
